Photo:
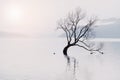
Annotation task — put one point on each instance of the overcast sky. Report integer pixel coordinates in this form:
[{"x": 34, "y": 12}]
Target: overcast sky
[{"x": 39, "y": 17}]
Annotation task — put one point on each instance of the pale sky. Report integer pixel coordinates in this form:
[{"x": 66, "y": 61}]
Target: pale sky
[{"x": 39, "y": 17}]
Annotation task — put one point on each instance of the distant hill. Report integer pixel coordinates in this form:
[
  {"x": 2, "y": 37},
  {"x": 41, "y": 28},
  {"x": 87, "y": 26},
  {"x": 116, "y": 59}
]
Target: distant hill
[
  {"x": 11, "y": 35},
  {"x": 111, "y": 30},
  {"x": 108, "y": 31}
]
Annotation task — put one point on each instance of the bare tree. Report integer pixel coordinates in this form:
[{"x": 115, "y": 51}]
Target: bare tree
[{"x": 78, "y": 32}]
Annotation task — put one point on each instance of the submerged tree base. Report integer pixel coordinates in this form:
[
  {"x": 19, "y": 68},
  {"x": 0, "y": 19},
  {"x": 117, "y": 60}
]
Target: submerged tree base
[{"x": 72, "y": 64}]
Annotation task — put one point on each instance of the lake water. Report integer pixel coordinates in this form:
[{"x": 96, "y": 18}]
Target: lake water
[{"x": 33, "y": 59}]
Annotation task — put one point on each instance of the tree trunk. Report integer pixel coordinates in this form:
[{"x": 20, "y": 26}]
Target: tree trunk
[
  {"x": 65, "y": 52},
  {"x": 66, "y": 49}
]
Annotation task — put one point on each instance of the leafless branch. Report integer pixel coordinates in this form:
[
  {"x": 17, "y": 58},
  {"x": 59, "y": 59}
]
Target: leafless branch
[
  {"x": 91, "y": 50},
  {"x": 75, "y": 32}
]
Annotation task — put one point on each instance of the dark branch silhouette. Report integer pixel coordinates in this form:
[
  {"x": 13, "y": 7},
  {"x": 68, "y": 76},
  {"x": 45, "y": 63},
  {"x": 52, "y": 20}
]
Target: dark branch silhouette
[{"x": 77, "y": 32}]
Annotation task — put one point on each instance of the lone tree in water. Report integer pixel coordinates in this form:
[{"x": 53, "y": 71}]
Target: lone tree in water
[{"x": 78, "y": 32}]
